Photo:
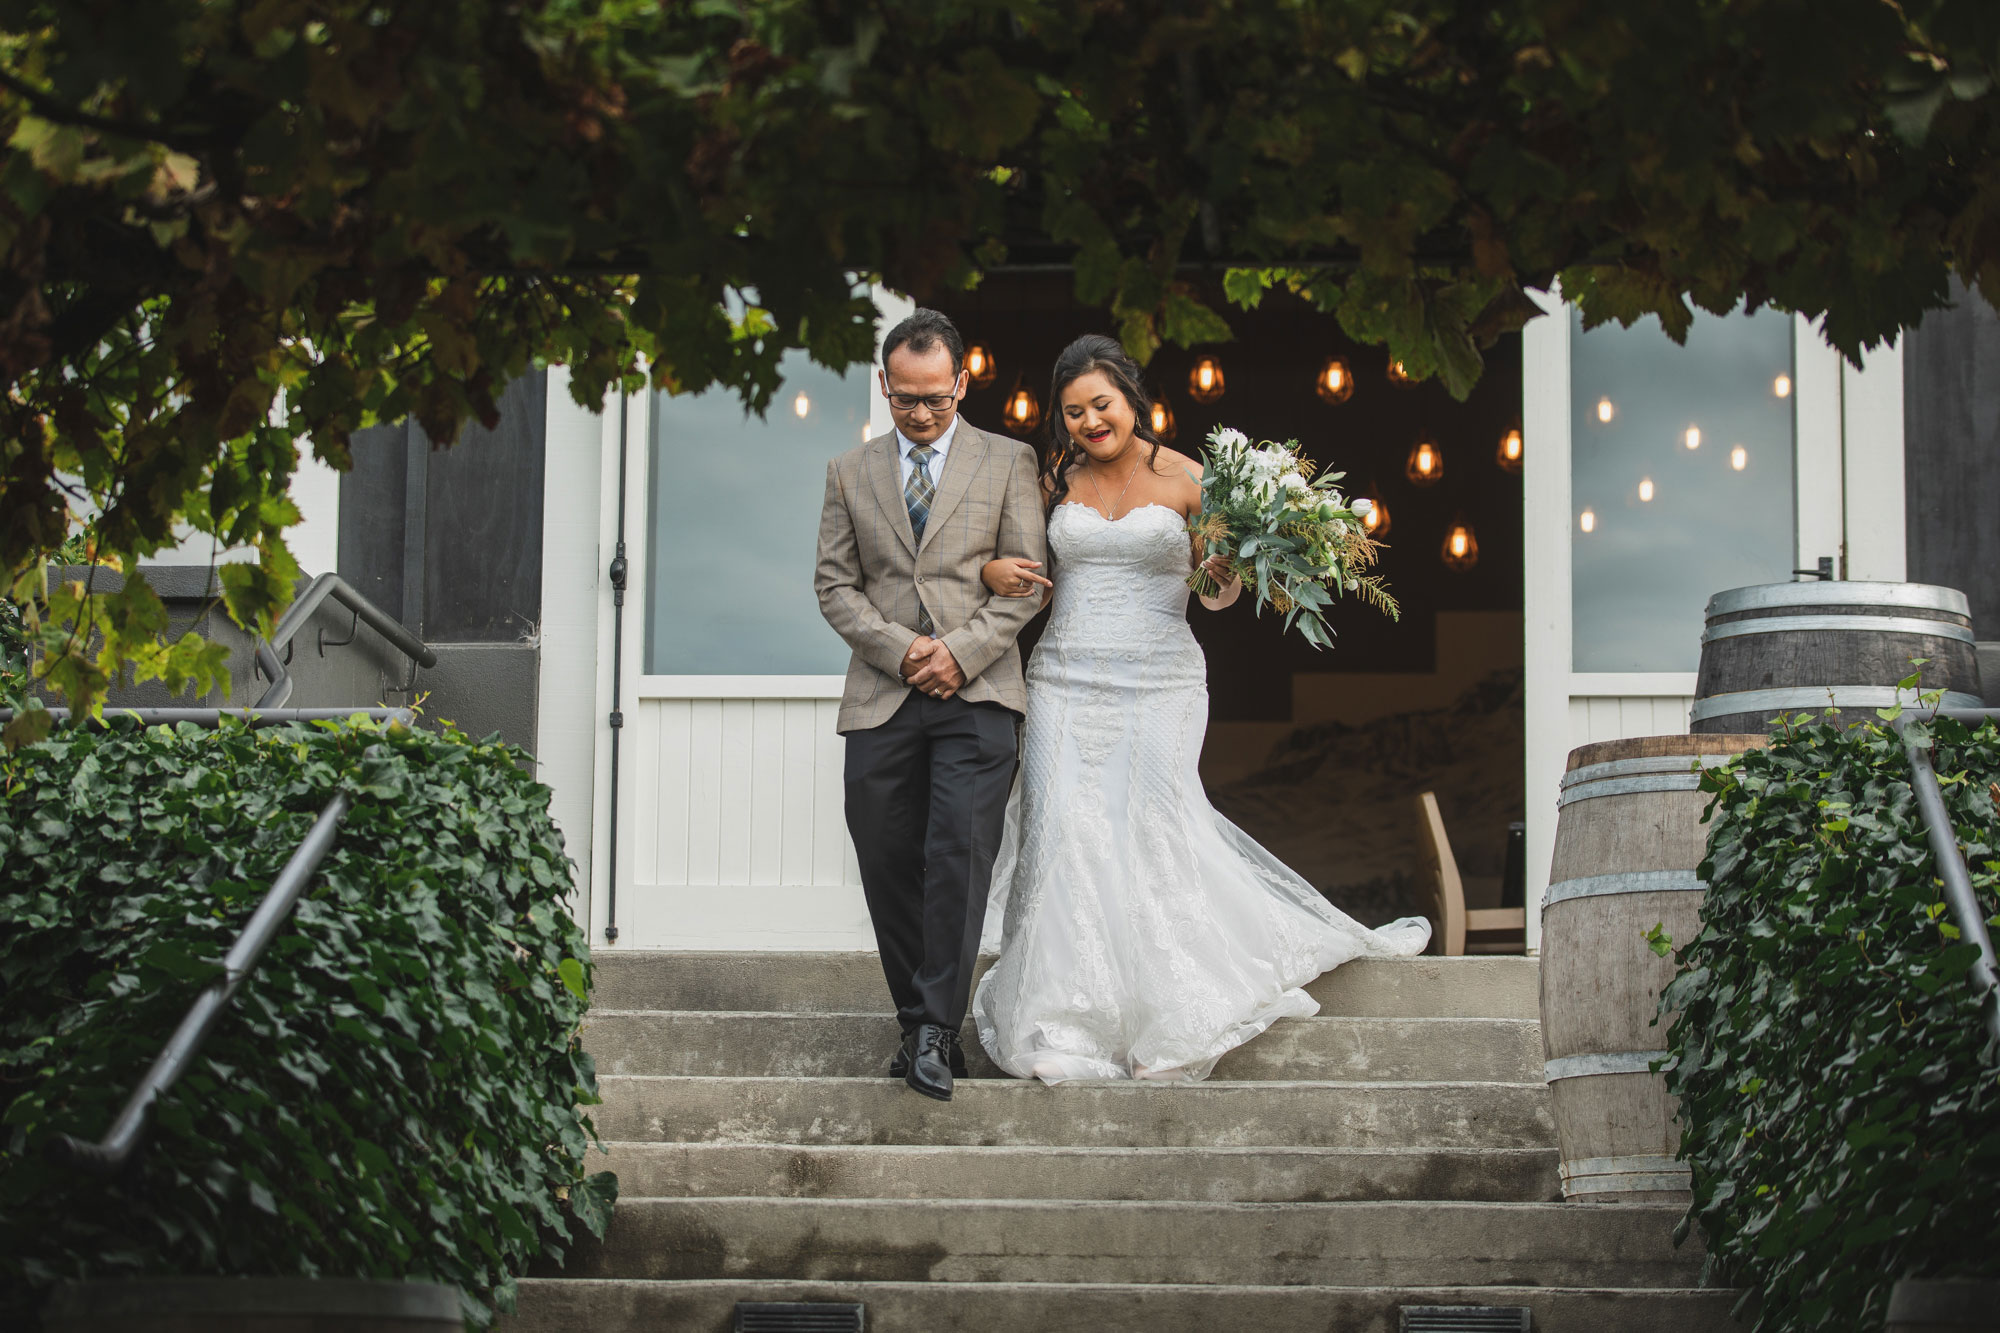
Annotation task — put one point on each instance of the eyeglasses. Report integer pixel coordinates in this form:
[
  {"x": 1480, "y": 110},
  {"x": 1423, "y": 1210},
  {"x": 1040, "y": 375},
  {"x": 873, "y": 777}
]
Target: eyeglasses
[{"x": 937, "y": 402}]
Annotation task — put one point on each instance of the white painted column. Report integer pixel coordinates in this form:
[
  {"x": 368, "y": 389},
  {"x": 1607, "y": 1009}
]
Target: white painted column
[
  {"x": 1545, "y": 601},
  {"x": 1872, "y": 472},
  {"x": 315, "y": 540},
  {"x": 576, "y": 603},
  {"x": 1821, "y": 483}
]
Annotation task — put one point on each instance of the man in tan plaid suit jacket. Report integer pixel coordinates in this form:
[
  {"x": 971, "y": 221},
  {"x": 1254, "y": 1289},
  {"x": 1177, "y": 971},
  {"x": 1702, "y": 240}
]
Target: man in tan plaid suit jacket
[{"x": 934, "y": 690}]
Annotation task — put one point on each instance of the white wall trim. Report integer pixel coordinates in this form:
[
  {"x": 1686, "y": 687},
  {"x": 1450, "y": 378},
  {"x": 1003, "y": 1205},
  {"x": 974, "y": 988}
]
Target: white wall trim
[
  {"x": 1631, "y": 684},
  {"x": 576, "y": 602},
  {"x": 315, "y": 538},
  {"x": 1545, "y": 602},
  {"x": 1872, "y": 460},
  {"x": 739, "y": 687},
  {"x": 1816, "y": 417}
]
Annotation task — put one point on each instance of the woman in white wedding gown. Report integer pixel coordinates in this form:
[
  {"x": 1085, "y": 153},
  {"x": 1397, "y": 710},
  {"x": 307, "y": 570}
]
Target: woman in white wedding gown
[{"x": 1141, "y": 933}]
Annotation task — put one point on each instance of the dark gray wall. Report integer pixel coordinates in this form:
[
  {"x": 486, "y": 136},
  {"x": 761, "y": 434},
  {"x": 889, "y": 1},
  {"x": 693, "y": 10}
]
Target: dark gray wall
[
  {"x": 449, "y": 541},
  {"x": 1951, "y": 433}
]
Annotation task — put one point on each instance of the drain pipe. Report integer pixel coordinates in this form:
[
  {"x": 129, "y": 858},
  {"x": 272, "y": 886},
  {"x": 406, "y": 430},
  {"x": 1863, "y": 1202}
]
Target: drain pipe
[{"x": 619, "y": 569}]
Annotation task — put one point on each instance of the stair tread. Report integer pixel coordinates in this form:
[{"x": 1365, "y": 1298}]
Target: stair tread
[
  {"x": 1334, "y": 1244},
  {"x": 557, "y": 1304}
]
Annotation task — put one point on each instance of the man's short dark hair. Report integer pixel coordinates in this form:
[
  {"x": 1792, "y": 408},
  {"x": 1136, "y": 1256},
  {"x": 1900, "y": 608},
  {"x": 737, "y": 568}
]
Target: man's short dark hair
[{"x": 924, "y": 329}]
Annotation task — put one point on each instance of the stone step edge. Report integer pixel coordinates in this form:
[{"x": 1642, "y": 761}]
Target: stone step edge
[
  {"x": 665, "y": 1146},
  {"x": 813, "y": 1289},
  {"x": 1067, "y": 1206},
  {"x": 816, "y": 1014},
  {"x": 1152, "y": 1089}
]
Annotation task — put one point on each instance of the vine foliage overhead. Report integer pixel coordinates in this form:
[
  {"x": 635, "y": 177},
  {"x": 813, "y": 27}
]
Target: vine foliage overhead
[{"x": 235, "y": 230}]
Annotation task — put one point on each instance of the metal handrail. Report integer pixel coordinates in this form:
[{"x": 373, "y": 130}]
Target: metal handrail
[
  {"x": 256, "y": 717},
  {"x": 301, "y": 612},
  {"x": 109, "y": 1154},
  {"x": 1958, "y": 894}
]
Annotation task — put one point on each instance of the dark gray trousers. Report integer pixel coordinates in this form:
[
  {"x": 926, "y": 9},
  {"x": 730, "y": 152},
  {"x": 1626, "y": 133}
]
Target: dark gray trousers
[{"x": 926, "y": 800}]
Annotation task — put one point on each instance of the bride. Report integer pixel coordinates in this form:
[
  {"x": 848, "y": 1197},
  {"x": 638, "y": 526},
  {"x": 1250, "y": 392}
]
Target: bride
[{"x": 1144, "y": 935}]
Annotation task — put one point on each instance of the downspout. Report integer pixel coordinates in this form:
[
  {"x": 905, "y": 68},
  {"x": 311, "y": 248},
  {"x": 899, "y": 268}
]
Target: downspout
[{"x": 619, "y": 568}]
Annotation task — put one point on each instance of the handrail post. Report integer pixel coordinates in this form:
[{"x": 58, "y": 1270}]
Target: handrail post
[
  {"x": 108, "y": 1155},
  {"x": 1957, "y": 879}
]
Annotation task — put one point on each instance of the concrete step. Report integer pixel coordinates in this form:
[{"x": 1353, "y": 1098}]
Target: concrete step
[
  {"x": 1290, "y": 1244},
  {"x": 604, "y": 1306},
  {"x": 1493, "y": 987},
  {"x": 652, "y": 1108},
  {"x": 1194, "y": 1175},
  {"x": 832, "y": 1045}
]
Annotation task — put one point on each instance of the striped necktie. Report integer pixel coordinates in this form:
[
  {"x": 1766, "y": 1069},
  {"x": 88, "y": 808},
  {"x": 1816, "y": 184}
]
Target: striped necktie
[{"x": 917, "y": 494}]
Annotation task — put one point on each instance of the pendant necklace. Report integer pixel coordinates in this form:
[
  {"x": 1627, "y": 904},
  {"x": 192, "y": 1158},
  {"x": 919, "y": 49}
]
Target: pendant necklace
[{"x": 1092, "y": 474}]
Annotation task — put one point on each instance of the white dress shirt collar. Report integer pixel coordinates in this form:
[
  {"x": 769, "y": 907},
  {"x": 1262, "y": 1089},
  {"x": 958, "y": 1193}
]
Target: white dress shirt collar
[{"x": 942, "y": 444}]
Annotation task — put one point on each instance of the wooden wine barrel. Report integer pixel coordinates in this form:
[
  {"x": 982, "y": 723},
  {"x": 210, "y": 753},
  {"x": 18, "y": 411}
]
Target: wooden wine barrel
[
  {"x": 1628, "y": 840},
  {"x": 1783, "y": 647},
  {"x": 252, "y": 1305}
]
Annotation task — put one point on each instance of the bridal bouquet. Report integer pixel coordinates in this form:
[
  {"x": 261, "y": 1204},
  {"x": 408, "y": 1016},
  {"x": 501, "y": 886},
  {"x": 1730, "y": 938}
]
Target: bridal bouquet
[{"x": 1294, "y": 538}]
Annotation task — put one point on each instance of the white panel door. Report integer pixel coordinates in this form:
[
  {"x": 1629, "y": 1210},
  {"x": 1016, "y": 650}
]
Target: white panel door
[{"x": 1654, "y": 476}]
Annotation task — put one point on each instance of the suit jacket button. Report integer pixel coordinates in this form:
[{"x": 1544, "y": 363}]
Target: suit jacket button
[{"x": 920, "y": 578}]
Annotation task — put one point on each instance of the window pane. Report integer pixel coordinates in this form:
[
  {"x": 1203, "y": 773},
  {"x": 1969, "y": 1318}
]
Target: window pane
[
  {"x": 734, "y": 526},
  {"x": 1680, "y": 481}
]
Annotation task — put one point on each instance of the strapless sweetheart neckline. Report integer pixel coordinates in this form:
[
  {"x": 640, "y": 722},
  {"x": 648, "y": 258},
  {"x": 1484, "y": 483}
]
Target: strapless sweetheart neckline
[{"x": 1150, "y": 504}]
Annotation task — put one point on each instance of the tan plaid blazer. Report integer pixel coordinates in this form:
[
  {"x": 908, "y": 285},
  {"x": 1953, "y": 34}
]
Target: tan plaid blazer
[{"x": 872, "y": 572}]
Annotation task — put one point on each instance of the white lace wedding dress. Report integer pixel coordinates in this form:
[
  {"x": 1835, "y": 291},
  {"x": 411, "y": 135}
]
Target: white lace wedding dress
[{"x": 1139, "y": 931}]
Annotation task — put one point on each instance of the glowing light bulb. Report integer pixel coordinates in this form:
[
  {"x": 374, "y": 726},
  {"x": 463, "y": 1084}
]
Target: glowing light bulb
[
  {"x": 1376, "y": 521},
  {"x": 1335, "y": 384},
  {"x": 1163, "y": 420},
  {"x": 1645, "y": 488},
  {"x": 1587, "y": 520},
  {"x": 1782, "y": 386},
  {"x": 1426, "y": 463},
  {"x": 1509, "y": 454},
  {"x": 1693, "y": 437},
  {"x": 1023, "y": 411},
  {"x": 1398, "y": 374},
  {"x": 1461, "y": 548},
  {"x": 801, "y": 405},
  {"x": 979, "y": 366},
  {"x": 1739, "y": 458},
  {"x": 1604, "y": 409},
  {"x": 1205, "y": 381}
]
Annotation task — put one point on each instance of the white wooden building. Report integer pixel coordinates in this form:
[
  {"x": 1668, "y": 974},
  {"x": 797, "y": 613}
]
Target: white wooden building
[{"x": 728, "y": 824}]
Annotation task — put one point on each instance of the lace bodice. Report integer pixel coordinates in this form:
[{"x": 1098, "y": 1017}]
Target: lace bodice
[{"x": 1121, "y": 584}]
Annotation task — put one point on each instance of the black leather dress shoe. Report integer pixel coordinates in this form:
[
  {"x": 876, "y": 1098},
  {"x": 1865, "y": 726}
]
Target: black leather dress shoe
[
  {"x": 930, "y": 1061},
  {"x": 899, "y": 1063}
]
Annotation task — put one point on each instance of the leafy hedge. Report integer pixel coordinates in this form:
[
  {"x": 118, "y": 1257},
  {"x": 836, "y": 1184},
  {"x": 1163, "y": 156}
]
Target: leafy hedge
[
  {"x": 394, "y": 1091},
  {"x": 1839, "y": 1103}
]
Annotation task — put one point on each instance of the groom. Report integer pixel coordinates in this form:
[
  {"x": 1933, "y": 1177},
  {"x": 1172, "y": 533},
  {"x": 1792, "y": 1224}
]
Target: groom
[{"x": 934, "y": 692}]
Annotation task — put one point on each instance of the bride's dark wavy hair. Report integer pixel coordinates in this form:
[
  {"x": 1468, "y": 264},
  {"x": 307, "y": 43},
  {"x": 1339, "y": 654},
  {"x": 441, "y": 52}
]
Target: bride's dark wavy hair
[{"x": 1093, "y": 351}]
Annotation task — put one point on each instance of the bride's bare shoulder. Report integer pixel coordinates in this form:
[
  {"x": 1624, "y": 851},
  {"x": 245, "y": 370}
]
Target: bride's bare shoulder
[{"x": 1174, "y": 463}]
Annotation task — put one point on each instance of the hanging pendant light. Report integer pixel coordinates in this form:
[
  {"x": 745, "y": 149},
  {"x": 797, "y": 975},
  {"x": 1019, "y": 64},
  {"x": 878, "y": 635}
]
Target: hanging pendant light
[
  {"x": 1205, "y": 380},
  {"x": 1398, "y": 375},
  {"x": 1461, "y": 547},
  {"x": 1335, "y": 383},
  {"x": 1376, "y": 521},
  {"x": 1587, "y": 520},
  {"x": 1023, "y": 410},
  {"x": 801, "y": 405},
  {"x": 1163, "y": 420},
  {"x": 979, "y": 367},
  {"x": 1508, "y": 455},
  {"x": 1426, "y": 465}
]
